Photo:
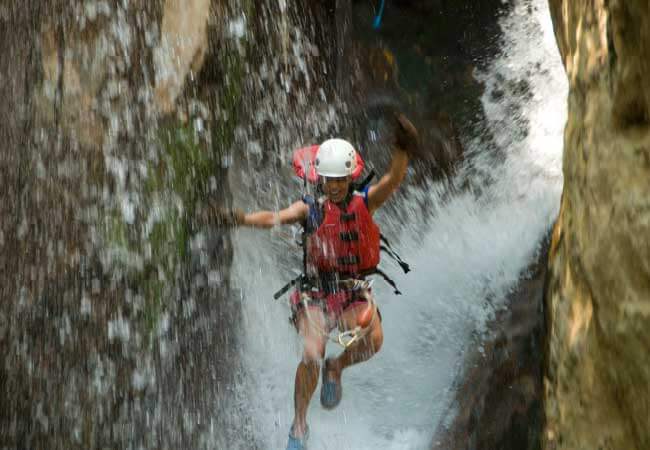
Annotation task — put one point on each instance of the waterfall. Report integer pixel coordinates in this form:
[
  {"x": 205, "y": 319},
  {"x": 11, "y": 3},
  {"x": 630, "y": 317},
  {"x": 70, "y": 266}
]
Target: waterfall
[
  {"x": 122, "y": 324},
  {"x": 470, "y": 256}
]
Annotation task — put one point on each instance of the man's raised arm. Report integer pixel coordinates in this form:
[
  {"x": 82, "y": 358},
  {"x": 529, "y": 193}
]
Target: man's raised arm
[{"x": 406, "y": 143}]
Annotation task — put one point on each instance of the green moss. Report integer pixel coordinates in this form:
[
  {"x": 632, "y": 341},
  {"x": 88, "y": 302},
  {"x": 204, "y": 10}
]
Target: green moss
[
  {"x": 170, "y": 194},
  {"x": 178, "y": 182},
  {"x": 186, "y": 165},
  {"x": 172, "y": 190},
  {"x": 154, "y": 292}
]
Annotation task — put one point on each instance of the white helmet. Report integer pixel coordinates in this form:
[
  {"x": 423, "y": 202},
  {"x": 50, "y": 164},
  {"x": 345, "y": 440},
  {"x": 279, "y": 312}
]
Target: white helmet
[{"x": 335, "y": 158}]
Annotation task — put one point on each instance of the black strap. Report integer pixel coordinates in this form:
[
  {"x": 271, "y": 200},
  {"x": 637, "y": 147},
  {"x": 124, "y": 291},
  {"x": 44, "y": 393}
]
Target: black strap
[
  {"x": 284, "y": 289},
  {"x": 315, "y": 215},
  {"x": 393, "y": 254},
  {"x": 395, "y": 257},
  {"x": 366, "y": 181},
  {"x": 388, "y": 280}
]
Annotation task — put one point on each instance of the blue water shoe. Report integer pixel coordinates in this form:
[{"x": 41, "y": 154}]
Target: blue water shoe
[
  {"x": 331, "y": 390},
  {"x": 295, "y": 443}
]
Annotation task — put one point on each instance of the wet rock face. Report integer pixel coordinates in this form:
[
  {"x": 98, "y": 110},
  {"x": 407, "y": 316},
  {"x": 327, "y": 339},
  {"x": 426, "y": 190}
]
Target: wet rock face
[
  {"x": 98, "y": 58},
  {"x": 100, "y": 291},
  {"x": 598, "y": 300},
  {"x": 119, "y": 119}
]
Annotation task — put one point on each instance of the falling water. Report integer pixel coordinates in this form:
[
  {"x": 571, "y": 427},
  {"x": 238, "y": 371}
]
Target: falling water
[{"x": 473, "y": 251}]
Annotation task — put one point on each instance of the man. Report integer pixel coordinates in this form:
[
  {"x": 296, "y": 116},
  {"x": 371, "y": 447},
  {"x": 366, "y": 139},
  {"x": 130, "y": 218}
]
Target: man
[{"x": 342, "y": 245}]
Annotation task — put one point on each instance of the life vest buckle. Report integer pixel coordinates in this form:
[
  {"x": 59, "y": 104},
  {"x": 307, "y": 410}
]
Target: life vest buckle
[
  {"x": 349, "y": 236},
  {"x": 349, "y": 260}
]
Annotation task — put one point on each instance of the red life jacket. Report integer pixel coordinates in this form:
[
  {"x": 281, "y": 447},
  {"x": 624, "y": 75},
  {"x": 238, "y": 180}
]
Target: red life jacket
[{"x": 346, "y": 241}]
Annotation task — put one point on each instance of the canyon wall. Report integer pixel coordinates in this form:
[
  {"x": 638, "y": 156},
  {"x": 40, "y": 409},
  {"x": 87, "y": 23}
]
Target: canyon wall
[{"x": 597, "y": 386}]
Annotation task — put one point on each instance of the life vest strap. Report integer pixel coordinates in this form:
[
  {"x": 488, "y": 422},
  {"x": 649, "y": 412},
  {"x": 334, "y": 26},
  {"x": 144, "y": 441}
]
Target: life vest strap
[
  {"x": 302, "y": 279},
  {"x": 388, "y": 280},
  {"x": 365, "y": 182},
  {"x": 393, "y": 254}
]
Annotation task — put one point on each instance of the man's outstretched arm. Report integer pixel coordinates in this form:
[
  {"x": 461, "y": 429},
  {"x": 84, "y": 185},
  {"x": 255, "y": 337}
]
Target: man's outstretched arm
[
  {"x": 214, "y": 215},
  {"x": 406, "y": 143},
  {"x": 295, "y": 213}
]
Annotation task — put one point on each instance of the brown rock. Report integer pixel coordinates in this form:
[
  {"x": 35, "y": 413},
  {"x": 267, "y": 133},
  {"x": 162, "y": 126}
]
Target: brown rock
[
  {"x": 183, "y": 46},
  {"x": 598, "y": 302}
]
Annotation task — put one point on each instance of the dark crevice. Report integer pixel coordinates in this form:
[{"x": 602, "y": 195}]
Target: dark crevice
[{"x": 631, "y": 111}]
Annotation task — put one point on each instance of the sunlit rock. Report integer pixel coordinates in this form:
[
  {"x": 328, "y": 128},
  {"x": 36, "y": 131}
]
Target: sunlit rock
[
  {"x": 87, "y": 72},
  {"x": 598, "y": 300},
  {"x": 183, "y": 43}
]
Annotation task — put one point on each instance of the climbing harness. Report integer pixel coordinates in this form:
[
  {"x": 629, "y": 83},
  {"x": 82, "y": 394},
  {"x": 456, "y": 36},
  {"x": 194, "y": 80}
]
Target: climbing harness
[{"x": 348, "y": 337}]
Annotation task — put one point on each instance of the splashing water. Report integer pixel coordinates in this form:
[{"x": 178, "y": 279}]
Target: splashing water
[{"x": 473, "y": 251}]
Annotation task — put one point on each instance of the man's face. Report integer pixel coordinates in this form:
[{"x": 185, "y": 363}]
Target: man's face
[{"x": 336, "y": 188}]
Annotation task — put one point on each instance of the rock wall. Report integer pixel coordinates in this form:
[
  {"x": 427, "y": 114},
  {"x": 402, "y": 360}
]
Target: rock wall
[
  {"x": 105, "y": 311},
  {"x": 117, "y": 328},
  {"x": 597, "y": 389}
]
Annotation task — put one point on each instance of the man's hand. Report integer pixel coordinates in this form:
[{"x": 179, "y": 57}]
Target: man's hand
[
  {"x": 223, "y": 217},
  {"x": 406, "y": 136},
  {"x": 406, "y": 144}
]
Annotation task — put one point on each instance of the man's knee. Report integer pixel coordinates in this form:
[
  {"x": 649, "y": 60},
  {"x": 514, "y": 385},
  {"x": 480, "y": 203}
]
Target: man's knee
[{"x": 314, "y": 351}]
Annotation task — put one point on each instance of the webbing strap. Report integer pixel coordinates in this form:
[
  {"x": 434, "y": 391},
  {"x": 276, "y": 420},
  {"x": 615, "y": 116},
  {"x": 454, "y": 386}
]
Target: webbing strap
[
  {"x": 393, "y": 254},
  {"x": 388, "y": 280},
  {"x": 284, "y": 289},
  {"x": 395, "y": 257},
  {"x": 366, "y": 181}
]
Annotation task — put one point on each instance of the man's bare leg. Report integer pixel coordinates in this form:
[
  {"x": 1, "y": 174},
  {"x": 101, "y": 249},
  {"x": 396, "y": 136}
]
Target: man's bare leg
[
  {"x": 363, "y": 349},
  {"x": 313, "y": 328}
]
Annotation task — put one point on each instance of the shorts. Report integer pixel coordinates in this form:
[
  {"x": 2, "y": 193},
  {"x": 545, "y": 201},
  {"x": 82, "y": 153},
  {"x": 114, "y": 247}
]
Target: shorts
[{"x": 332, "y": 305}]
